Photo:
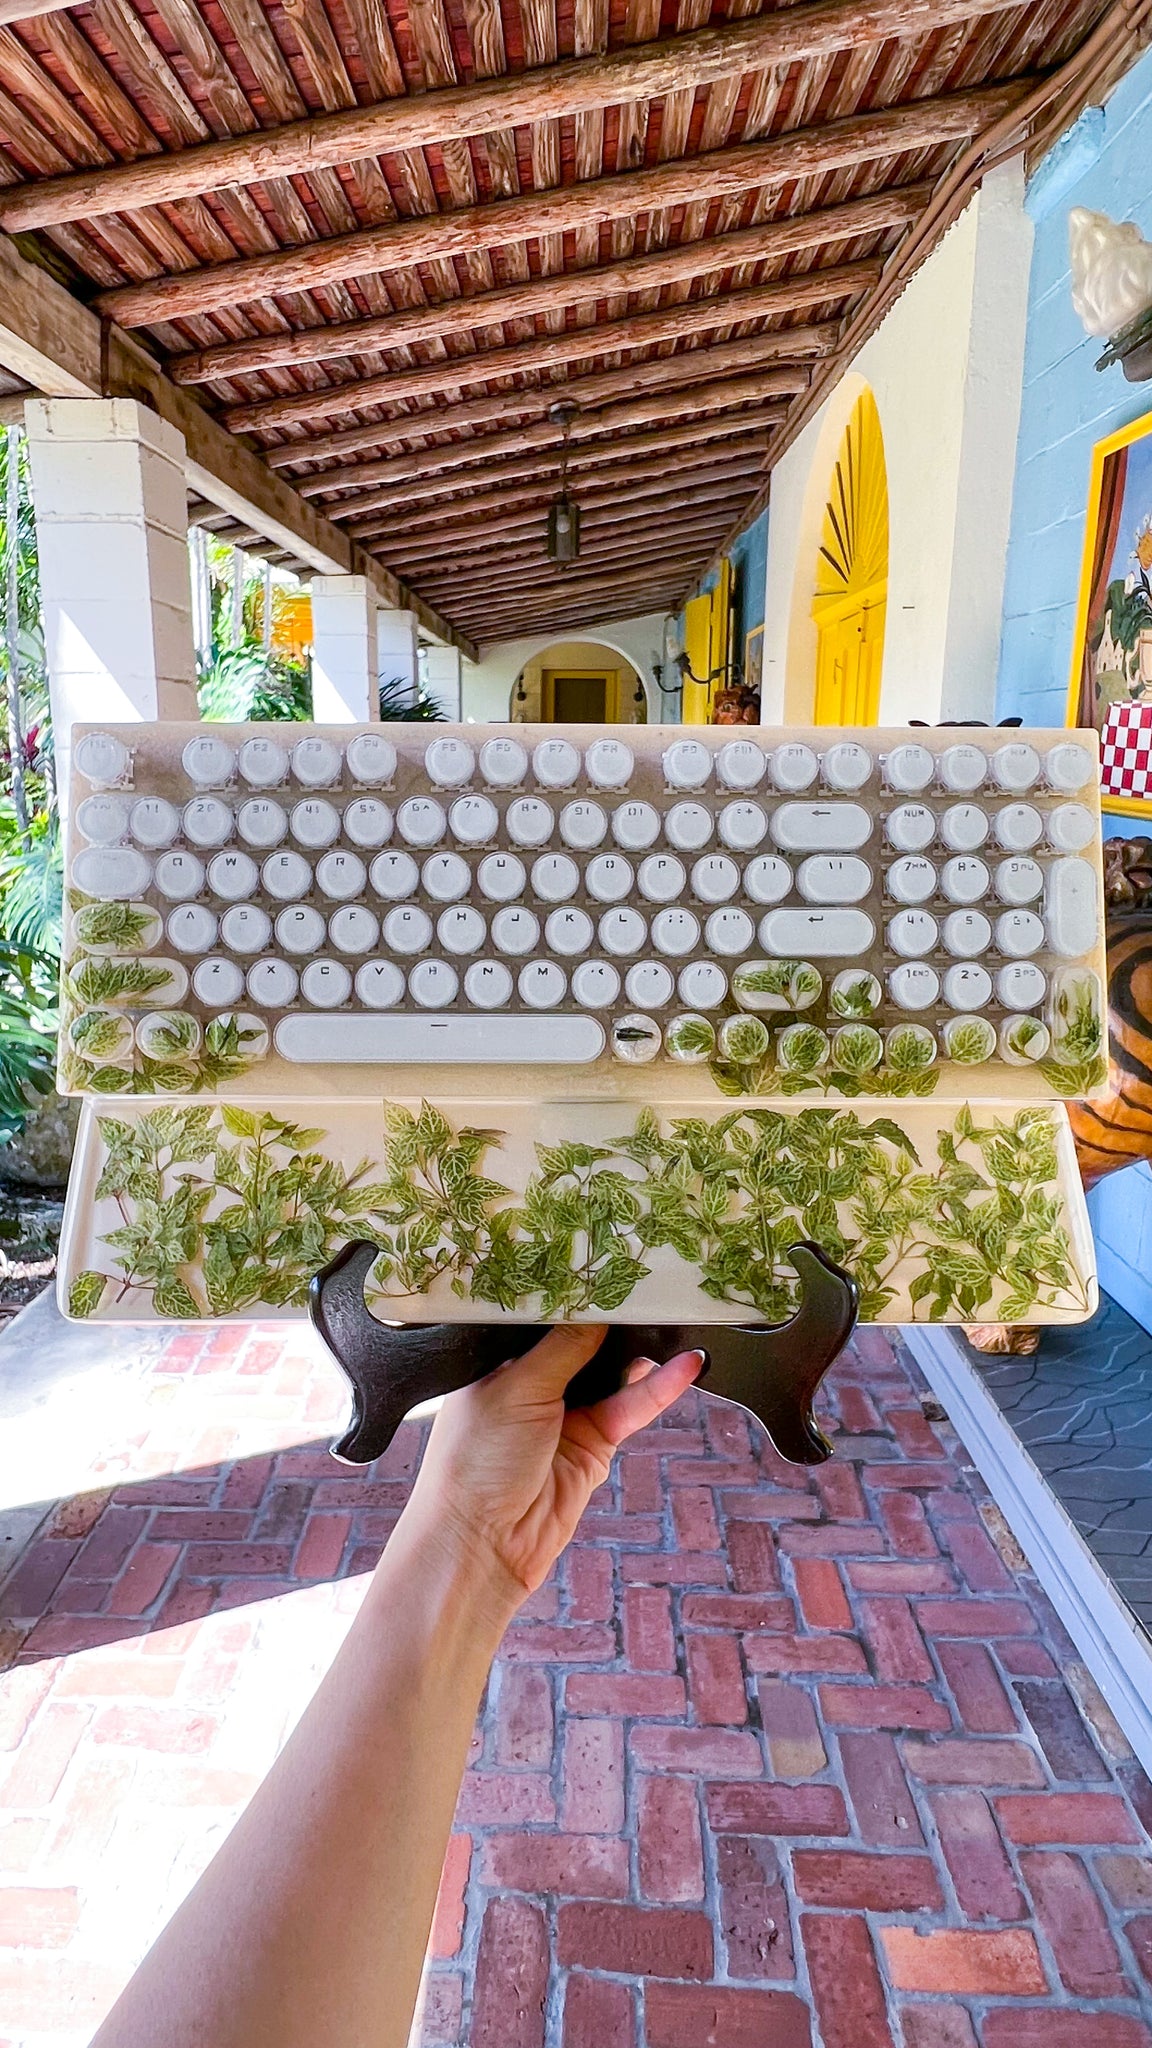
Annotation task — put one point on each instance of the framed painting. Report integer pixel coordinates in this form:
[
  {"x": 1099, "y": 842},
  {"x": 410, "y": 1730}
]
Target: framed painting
[{"x": 1111, "y": 681}]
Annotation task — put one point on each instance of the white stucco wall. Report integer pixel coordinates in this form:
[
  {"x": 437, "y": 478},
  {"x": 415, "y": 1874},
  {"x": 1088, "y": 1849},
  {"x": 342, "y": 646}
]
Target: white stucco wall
[
  {"x": 487, "y": 684},
  {"x": 946, "y": 369}
]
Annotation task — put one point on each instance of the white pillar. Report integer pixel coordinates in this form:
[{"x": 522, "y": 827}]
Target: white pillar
[
  {"x": 344, "y": 689},
  {"x": 111, "y": 505},
  {"x": 441, "y": 676},
  {"x": 396, "y": 651}
]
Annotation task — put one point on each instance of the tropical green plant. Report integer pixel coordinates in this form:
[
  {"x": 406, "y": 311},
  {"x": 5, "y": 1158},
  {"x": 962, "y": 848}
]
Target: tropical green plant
[
  {"x": 27, "y": 1036},
  {"x": 246, "y": 682},
  {"x": 397, "y": 704}
]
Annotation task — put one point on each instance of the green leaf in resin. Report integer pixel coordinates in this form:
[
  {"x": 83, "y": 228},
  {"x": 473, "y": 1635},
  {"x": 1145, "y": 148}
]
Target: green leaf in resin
[
  {"x": 910, "y": 1048},
  {"x": 854, "y": 995},
  {"x": 802, "y": 1048},
  {"x": 744, "y": 1039},
  {"x": 857, "y": 1048},
  {"x": 691, "y": 1038},
  {"x": 969, "y": 1040}
]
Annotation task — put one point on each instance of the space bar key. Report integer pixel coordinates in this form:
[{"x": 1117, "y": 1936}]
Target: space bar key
[{"x": 352, "y": 1037}]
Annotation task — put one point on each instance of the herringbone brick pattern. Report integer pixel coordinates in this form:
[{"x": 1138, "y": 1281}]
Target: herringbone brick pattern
[{"x": 777, "y": 1760}]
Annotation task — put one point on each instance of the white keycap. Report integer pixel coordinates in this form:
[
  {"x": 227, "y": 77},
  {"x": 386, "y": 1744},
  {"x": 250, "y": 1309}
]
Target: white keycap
[
  {"x": 909, "y": 768},
  {"x": 274, "y": 984},
  {"x": 608, "y": 764},
  {"x": 371, "y": 760},
  {"x": 101, "y": 758},
  {"x": 767, "y": 879},
  {"x": 445, "y": 877},
  {"x": 529, "y": 821},
  {"x": 379, "y": 984},
  {"x": 661, "y": 878},
  {"x": 1071, "y": 907},
  {"x": 315, "y": 823},
  {"x": 316, "y": 762},
  {"x": 542, "y": 985},
  {"x": 715, "y": 878},
  {"x": 1019, "y": 933},
  {"x": 300, "y": 929},
  {"x": 354, "y": 929},
  {"x": 326, "y": 984},
  {"x": 688, "y": 827},
  {"x": 207, "y": 822},
  {"x": 234, "y": 877},
  {"x": 687, "y": 764},
  {"x": 286, "y": 876},
  {"x": 635, "y": 826},
  {"x": 846, "y": 766},
  {"x": 742, "y": 826},
  {"x": 910, "y": 828},
  {"x": 515, "y": 930},
  {"x": 741, "y": 764},
  {"x": 689, "y": 1038},
  {"x": 154, "y": 822},
  {"x": 1023, "y": 1040},
  {"x": 116, "y": 872},
  {"x": 914, "y": 985},
  {"x": 245, "y": 928},
  {"x": 911, "y": 880},
  {"x": 964, "y": 828},
  {"x": 1018, "y": 828},
  {"x": 648, "y": 984},
  {"x": 1070, "y": 828},
  {"x": 368, "y": 823},
  {"x": 821, "y": 828},
  {"x": 1018, "y": 881},
  {"x": 407, "y": 929},
  {"x": 394, "y": 876},
  {"x": 218, "y": 983},
  {"x": 473, "y": 820},
  {"x": 192, "y": 928},
  {"x": 179, "y": 876},
  {"x": 635, "y": 1039},
  {"x": 556, "y": 764},
  {"x": 912, "y": 933},
  {"x": 350, "y": 1039},
  {"x": 1016, "y": 767},
  {"x": 261, "y": 822},
  {"x": 608, "y": 878},
  {"x": 500, "y": 877},
  {"x": 967, "y": 934},
  {"x": 420, "y": 821},
  {"x": 461, "y": 930},
  {"x": 1020, "y": 985},
  {"x": 569, "y": 932},
  {"x": 595, "y": 984},
  {"x": 555, "y": 877},
  {"x": 729, "y": 932},
  {"x": 103, "y": 819},
  {"x": 702, "y": 985},
  {"x": 207, "y": 761},
  {"x": 816, "y": 934},
  {"x": 488, "y": 984},
  {"x": 838, "y": 878},
  {"x": 793, "y": 766},
  {"x": 965, "y": 879},
  {"x": 449, "y": 763},
  {"x": 963, "y": 768},
  {"x": 433, "y": 984},
  {"x": 262, "y": 764},
  {"x": 583, "y": 825},
  {"x": 340, "y": 876},
  {"x": 622, "y": 932},
  {"x": 503, "y": 763},
  {"x": 675, "y": 933},
  {"x": 967, "y": 986},
  {"x": 1068, "y": 766}
]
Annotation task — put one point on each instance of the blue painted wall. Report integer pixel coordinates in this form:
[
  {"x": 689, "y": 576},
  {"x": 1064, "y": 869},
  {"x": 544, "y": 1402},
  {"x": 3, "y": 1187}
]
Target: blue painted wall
[{"x": 1067, "y": 406}]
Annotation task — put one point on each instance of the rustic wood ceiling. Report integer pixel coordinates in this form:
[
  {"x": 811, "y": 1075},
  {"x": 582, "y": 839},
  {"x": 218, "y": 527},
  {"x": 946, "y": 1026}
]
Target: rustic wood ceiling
[{"x": 383, "y": 237}]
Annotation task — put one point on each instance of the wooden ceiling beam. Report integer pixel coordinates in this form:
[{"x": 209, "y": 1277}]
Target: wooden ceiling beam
[
  {"x": 620, "y": 552},
  {"x": 592, "y": 607},
  {"x": 770, "y": 240},
  {"x": 608, "y": 508},
  {"x": 714, "y": 174},
  {"x": 421, "y": 120}
]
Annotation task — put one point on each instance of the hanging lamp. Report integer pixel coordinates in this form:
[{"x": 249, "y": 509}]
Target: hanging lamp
[{"x": 563, "y": 514}]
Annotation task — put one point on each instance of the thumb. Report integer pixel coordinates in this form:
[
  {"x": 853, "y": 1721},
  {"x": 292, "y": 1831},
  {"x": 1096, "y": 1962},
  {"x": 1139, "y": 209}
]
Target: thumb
[{"x": 543, "y": 1373}]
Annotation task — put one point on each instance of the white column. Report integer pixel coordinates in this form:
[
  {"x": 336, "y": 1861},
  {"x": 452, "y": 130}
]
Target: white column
[
  {"x": 441, "y": 675},
  {"x": 111, "y": 506},
  {"x": 343, "y": 650},
  {"x": 396, "y": 651}
]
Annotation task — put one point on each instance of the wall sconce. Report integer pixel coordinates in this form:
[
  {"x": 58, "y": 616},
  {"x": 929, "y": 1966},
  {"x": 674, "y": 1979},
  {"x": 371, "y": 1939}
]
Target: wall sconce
[{"x": 1112, "y": 288}]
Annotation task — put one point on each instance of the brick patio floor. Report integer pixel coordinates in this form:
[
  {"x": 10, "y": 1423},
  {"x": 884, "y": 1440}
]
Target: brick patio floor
[{"x": 778, "y": 1760}]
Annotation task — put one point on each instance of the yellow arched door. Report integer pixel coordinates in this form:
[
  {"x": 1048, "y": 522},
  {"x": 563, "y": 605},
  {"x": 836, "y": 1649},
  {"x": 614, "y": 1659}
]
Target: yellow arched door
[{"x": 851, "y": 593}]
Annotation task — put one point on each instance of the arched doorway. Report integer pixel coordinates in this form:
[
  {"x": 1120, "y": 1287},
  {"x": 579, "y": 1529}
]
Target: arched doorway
[
  {"x": 578, "y": 682},
  {"x": 850, "y": 599}
]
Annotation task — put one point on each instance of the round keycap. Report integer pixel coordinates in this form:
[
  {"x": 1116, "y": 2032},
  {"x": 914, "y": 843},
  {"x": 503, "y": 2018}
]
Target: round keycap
[
  {"x": 635, "y": 826},
  {"x": 846, "y": 766},
  {"x": 529, "y": 821},
  {"x": 583, "y": 826},
  {"x": 608, "y": 764},
  {"x": 315, "y": 823},
  {"x": 245, "y": 928},
  {"x": 1018, "y": 828},
  {"x": 326, "y": 984},
  {"x": 1023, "y": 1040},
  {"x": 622, "y": 932},
  {"x": 261, "y": 822},
  {"x": 101, "y": 758},
  {"x": 729, "y": 932},
  {"x": 1070, "y": 828},
  {"x": 967, "y": 934},
  {"x": 407, "y": 929},
  {"x": 648, "y": 983},
  {"x": 286, "y": 876},
  {"x": 635, "y": 1039},
  {"x": 461, "y": 930},
  {"x": 914, "y": 985},
  {"x": 315, "y": 762},
  {"x": 368, "y": 823},
  {"x": 608, "y": 878},
  {"x": 192, "y": 928},
  {"x": 207, "y": 822},
  {"x": 742, "y": 826},
  {"x": 568, "y": 932},
  {"x": 687, "y": 764},
  {"x": 910, "y": 828},
  {"x": 1020, "y": 985},
  {"x": 912, "y": 933},
  {"x": 299, "y": 929},
  {"x": 515, "y": 930},
  {"x": 272, "y": 984},
  {"x": 715, "y": 878},
  {"x": 262, "y": 764},
  {"x": 233, "y": 876},
  {"x": 965, "y": 879},
  {"x": 208, "y": 761},
  {"x": 433, "y": 984},
  {"x": 675, "y": 933},
  {"x": 595, "y": 984},
  {"x": 353, "y": 929},
  {"x": 340, "y": 876},
  {"x": 179, "y": 876},
  {"x": 420, "y": 821},
  {"x": 1068, "y": 767},
  {"x": 113, "y": 871},
  {"x": 909, "y": 769},
  {"x": 556, "y": 764},
  {"x": 371, "y": 760},
  {"x": 661, "y": 878},
  {"x": 740, "y": 764},
  {"x": 767, "y": 879},
  {"x": 103, "y": 819},
  {"x": 967, "y": 987},
  {"x": 542, "y": 985},
  {"x": 1019, "y": 881},
  {"x": 379, "y": 984},
  {"x": 688, "y": 827},
  {"x": 964, "y": 828},
  {"x": 154, "y": 822},
  {"x": 394, "y": 876},
  {"x": 503, "y": 763},
  {"x": 555, "y": 877},
  {"x": 1019, "y": 933},
  {"x": 500, "y": 877},
  {"x": 218, "y": 983},
  {"x": 963, "y": 768},
  {"x": 702, "y": 985},
  {"x": 910, "y": 880},
  {"x": 1016, "y": 767},
  {"x": 488, "y": 984},
  {"x": 473, "y": 820},
  {"x": 794, "y": 766},
  {"x": 446, "y": 877}
]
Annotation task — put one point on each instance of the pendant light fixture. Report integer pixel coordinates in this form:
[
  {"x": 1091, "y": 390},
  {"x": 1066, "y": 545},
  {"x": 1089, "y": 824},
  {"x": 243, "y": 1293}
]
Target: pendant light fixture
[{"x": 563, "y": 515}]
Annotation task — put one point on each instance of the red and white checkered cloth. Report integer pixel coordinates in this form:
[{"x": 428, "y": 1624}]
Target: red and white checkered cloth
[{"x": 1126, "y": 751}]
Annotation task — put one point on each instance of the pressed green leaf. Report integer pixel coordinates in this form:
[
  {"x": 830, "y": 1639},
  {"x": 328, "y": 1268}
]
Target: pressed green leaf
[
  {"x": 171, "y": 1297},
  {"x": 86, "y": 1293}
]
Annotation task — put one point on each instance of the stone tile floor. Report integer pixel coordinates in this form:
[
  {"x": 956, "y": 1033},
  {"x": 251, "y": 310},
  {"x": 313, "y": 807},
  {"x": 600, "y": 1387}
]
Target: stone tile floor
[{"x": 778, "y": 1760}]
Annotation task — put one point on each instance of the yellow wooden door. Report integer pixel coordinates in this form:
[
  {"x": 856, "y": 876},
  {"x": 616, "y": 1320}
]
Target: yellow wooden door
[
  {"x": 850, "y": 600},
  {"x": 694, "y": 699}
]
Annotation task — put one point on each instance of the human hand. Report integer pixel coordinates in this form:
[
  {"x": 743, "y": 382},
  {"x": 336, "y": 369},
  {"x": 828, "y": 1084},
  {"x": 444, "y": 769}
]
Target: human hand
[{"x": 509, "y": 1470}]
